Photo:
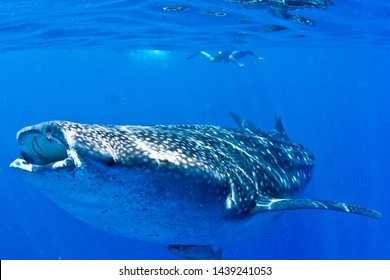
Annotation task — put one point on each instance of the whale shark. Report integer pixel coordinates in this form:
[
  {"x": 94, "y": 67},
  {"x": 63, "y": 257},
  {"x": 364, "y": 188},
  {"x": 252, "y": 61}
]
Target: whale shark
[{"x": 179, "y": 185}]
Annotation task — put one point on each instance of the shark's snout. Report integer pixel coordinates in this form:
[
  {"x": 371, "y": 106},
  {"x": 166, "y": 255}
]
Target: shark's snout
[
  {"x": 42, "y": 147},
  {"x": 36, "y": 148}
]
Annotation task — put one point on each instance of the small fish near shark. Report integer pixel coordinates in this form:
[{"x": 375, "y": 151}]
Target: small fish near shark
[
  {"x": 190, "y": 185},
  {"x": 195, "y": 252}
]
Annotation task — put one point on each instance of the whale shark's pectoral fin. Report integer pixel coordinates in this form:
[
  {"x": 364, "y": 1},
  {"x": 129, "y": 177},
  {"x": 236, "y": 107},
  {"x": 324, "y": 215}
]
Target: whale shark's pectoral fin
[
  {"x": 278, "y": 204},
  {"x": 195, "y": 252}
]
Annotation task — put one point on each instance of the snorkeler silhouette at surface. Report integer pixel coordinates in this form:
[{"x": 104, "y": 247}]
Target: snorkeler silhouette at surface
[{"x": 227, "y": 56}]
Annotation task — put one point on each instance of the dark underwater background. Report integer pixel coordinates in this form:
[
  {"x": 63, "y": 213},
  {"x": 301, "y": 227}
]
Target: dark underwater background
[{"x": 330, "y": 86}]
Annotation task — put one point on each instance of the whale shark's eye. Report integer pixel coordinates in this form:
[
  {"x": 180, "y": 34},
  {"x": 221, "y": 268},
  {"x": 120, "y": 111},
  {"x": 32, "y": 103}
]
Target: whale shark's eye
[{"x": 37, "y": 149}]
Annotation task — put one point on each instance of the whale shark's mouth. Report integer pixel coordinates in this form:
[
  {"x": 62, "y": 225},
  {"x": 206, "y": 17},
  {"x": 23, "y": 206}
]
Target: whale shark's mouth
[
  {"x": 41, "y": 151},
  {"x": 37, "y": 149}
]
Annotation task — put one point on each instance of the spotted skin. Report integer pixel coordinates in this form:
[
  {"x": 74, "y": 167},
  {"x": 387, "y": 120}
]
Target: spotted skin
[
  {"x": 173, "y": 184},
  {"x": 249, "y": 164}
]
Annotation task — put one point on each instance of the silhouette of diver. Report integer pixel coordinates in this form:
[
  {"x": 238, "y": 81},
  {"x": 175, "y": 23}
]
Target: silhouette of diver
[{"x": 227, "y": 56}]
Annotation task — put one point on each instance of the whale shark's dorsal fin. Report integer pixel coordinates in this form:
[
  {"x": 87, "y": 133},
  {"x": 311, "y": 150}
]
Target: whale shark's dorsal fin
[
  {"x": 278, "y": 124},
  {"x": 264, "y": 203},
  {"x": 243, "y": 123}
]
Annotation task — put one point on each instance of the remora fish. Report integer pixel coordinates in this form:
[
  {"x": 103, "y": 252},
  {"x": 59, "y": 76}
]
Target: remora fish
[
  {"x": 172, "y": 184},
  {"x": 195, "y": 252}
]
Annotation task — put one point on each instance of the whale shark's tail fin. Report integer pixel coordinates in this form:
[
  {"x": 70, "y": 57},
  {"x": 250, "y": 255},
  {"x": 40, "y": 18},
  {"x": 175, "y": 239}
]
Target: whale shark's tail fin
[{"x": 275, "y": 204}]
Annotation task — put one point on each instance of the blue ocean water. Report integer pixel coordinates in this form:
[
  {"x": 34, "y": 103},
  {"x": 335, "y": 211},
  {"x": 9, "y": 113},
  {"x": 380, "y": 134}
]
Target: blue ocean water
[{"x": 124, "y": 62}]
